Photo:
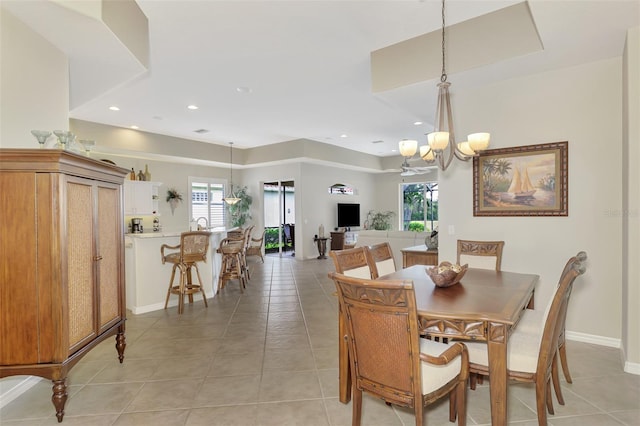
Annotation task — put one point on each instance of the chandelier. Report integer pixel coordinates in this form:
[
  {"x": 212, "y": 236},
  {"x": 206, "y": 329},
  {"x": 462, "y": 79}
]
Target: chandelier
[
  {"x": 441, "y": 146},
  {"x": 231, "y": 199}
]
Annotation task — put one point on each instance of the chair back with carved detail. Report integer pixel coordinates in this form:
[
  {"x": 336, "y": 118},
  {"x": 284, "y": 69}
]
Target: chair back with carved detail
[
  {"x": 380, "y": 258},
  {"x": 532, "y": 355},
  {"x": 388, "y": 359},
  {"x": 480, "y": 254},
  {"x": 351, "y": 262}
]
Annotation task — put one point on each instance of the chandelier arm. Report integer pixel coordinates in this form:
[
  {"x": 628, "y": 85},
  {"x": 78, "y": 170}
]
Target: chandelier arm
[{"x": 462, "y": 156}]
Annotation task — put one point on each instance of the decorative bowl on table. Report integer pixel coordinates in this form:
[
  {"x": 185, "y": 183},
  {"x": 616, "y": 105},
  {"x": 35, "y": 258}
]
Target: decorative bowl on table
[{"x": 447, "y": 274}]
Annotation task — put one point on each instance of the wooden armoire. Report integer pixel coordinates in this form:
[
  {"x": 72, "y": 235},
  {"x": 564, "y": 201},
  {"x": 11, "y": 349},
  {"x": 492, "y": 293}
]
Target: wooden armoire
[{"x": 61, "y": 262}]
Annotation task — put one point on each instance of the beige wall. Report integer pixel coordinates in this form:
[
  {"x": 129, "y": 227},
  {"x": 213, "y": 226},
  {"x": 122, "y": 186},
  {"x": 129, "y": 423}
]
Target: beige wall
[
  {"x": 34, "y": 77},
  {"x": 580, "y": 105},
  {"x": 631, "y": 206}
]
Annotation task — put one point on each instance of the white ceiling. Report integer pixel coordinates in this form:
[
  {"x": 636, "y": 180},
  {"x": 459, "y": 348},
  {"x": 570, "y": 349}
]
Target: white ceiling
[{"x": 307, "y": 66}]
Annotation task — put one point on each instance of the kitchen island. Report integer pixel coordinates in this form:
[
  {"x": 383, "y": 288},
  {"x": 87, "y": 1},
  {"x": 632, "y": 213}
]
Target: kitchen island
[{"x": 147, "y": 279}]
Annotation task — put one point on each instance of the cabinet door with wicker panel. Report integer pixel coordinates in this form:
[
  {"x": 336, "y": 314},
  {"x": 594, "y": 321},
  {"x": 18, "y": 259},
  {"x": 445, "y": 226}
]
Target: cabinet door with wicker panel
[{"x": 61, "y": 263}]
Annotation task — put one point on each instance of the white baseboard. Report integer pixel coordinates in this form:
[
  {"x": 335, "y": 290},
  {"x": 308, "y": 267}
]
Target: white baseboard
[
  {"x": 593, "y": 339},
  {"x": 13, "y": 387},
  {"x": 137, "y": 310},
  {"x": 632, "y": 368}
]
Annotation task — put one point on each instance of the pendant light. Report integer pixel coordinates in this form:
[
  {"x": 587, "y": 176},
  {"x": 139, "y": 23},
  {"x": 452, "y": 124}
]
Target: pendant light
[
  {"x": 231, "y": 199},
  {"x": 441, "y": 146}
]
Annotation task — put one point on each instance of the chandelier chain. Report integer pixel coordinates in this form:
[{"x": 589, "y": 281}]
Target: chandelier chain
[{"x": 443, "y": 76}]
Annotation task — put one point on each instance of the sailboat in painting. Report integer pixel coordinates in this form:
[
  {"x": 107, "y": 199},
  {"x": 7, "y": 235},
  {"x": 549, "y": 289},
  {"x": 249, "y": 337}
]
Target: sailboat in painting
[{"x": 521, "y": 186}]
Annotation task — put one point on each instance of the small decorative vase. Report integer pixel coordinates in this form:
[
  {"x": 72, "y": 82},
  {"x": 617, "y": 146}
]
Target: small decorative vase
[
  {"x": 147, "y": 175},
  {"x": 173, "y": 203}
]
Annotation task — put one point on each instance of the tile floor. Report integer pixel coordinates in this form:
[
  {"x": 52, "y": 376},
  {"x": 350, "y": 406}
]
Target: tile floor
[{"x": 269, "y": 357}]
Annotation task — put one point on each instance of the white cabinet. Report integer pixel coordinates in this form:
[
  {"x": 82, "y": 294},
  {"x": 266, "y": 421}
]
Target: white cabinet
[{"x": 140, "y": 198}]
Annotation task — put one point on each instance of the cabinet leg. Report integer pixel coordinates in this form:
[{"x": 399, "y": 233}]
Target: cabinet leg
[
  {"x": 59, "y": 397},
  {"x": 120, "y": 345}
]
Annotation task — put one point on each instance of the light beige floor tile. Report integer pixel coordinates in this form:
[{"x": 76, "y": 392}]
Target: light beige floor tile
[
  {"x": 288, "y": 360},
  {"x": 236, "y": 364},
  {"x": 165, "y": 395},
  {"x": 234, "y": 415},
  {"x": 307, "y": 413},
  {"x": 228, "y": 390},
  {"x": 628, "y": 417},
  {"x": 102, "y": 398},
  {"x": 589, "y": 420},
  {"x": 621, "y": 393},
  {"x": 289, "y": 386},
  {"x": 288, "y": 342},
  {"x": 154, "y": 418}
]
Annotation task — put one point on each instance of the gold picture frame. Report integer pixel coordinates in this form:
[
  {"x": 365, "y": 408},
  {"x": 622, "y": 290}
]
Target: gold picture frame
[{"x": 522, "y": 181}]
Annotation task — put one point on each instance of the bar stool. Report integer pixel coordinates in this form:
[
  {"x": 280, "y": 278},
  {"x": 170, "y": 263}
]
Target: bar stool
[
  {"x": 231, "y": 268},
  {"x": 193, "y": 248}
]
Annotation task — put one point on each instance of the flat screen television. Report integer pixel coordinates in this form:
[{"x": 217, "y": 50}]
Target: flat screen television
[{"x": 348, "y": 215}]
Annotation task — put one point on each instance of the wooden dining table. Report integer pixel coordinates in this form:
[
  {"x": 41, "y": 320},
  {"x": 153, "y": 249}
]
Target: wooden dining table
[{"x": 485, "y": 306}]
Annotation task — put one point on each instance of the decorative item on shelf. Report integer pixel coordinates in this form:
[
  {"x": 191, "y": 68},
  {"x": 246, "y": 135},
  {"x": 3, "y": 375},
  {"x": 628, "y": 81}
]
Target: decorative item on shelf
[
  {"x": 147, "y": 174},
  {"x": 446, "y": 274},
  {"x": 156, "y": 224},
  {"x": 321, "y": 231},
  {"x": 41, "y": 136},
  {"x": 132, "y": 174},
  {"x": 380, "y": 221},
  {"x": 431, "y": 240},
  {"x": 88, "y": 145},
  {"x": 64, "y": 138},
  {"x": 442, "y": 147},
  {"x": 141, "y": 176},
  {"x": 173, "y": 198}
]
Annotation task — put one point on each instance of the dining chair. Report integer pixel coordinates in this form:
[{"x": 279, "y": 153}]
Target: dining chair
[
  {"x": 388, "y": 359},
  {"x": 480, "y": 254},
  {"x": 351, "y": 262},
  {"x": 531, "y": 356},
  {"x": 380, "y": 258},
  {"x": 532, "y": 320},
  {"x": 192, "y": 249},
  {"x": 255, "y": 246}
]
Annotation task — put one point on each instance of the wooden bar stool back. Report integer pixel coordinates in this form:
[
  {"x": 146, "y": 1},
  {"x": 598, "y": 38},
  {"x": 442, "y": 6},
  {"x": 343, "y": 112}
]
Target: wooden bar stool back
[{"x": 193, "y": 248}]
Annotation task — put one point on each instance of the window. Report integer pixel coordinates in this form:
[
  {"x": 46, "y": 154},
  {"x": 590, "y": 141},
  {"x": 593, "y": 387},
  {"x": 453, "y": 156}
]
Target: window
[
  {"x": 419, "y": 206},
  {"x": 206, "y": 200}
]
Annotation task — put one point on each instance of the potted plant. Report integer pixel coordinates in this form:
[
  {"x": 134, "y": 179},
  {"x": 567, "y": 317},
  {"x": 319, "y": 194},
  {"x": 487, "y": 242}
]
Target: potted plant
[
  {"x": 380, "y": 221},
  {"x": 173, "y": 198},
  {"x": 240, "y": 212}
]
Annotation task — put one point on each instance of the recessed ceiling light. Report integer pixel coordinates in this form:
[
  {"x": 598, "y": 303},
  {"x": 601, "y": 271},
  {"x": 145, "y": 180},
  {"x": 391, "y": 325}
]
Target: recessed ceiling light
[
  {"x": 192, "y": 107},
  {"x": 243, "y": 89},
  {"x": 417, "y": 123},
  {"x": 114, "y": 108},
  {"x": 134, "y": 127},
  {"x": 344, "y": 136}
]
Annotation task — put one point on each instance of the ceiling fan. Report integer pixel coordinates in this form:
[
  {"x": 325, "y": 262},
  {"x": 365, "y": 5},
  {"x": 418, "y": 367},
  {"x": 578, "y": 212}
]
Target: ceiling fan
[{"x": 408, "y": 170}]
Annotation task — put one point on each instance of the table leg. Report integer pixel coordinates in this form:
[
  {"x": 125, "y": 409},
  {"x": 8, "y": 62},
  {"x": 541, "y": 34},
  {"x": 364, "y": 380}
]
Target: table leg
[
  {"x": 344, "y": 372},
  {"x": 497, "y": 353}
]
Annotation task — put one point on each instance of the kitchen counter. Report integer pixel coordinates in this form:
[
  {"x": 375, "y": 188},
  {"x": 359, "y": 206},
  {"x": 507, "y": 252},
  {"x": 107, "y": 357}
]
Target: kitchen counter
[{"x": 147, "y": 279}]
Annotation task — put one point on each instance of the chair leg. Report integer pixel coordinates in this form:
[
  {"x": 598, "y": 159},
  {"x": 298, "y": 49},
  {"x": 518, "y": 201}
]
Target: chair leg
[
  {"x": 461, "y": 402},
  {"x": 173, "y": 274},
  {"x": 548, "y": 397},
  {"x": 541, "y": 408},
  {"x": 473, "y": 377},
  {"x": 204, "y": 296},
  {"x": 555, "y": 376},
  {"x": 356, "y": 400},
  {"x": 453, "y": 407},
  {"x": 562, "y": 349},
  {"x": 183, "y": 279}
]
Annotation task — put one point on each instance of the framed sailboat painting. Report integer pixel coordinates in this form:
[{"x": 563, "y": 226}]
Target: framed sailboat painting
[{"x": 522, "y": 181}]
